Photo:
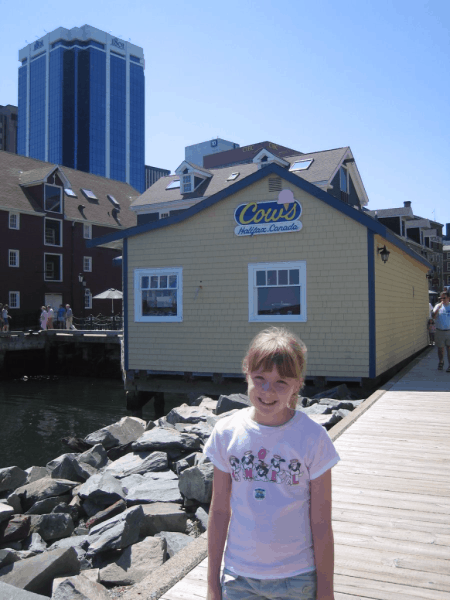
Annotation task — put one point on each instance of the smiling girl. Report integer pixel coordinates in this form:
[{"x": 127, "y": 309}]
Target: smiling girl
[{"x": 271, "y": 501}]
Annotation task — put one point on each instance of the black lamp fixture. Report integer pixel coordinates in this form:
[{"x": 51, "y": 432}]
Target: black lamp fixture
[
  {"x": 384, "y": 253},
  {"x": 81, "y": 279}
]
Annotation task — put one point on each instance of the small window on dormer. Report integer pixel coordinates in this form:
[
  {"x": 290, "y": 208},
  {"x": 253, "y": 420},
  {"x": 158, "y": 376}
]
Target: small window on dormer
[
  {"x": 70, "y": 193},
  {"x": 89, "y": 194},
  {"x": 52, "y": 198},
  {"x": 187, "y": 185},
  {"x": 173, "y": 184},
  {"x": 301, "y": 165},
  {"x": 344, "y": 180}
]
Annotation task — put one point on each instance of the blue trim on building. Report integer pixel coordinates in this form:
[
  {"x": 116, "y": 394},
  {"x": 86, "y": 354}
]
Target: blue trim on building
[
  {"x": 125, "y": 303},
  {"x": 371, "y": 291},
  {"x": 355, "y": 214}
]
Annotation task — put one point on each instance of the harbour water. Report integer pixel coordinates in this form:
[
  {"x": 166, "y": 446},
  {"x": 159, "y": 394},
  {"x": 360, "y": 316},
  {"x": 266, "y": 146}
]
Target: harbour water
[{"x": 36, "y": 413}]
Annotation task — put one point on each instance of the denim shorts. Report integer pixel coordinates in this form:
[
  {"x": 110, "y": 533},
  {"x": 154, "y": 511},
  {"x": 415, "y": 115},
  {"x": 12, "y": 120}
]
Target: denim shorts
[{"x": 298, "y": 587}]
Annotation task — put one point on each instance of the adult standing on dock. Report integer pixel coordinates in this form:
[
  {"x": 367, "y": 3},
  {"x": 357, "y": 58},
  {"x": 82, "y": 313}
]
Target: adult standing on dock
[
  {"x": 69, "y": 317},
  {"x": 441, "y": 315},
  {"x": 51, "y": 314},
  {"x": 61, "y": 316},
  {"x": 43, "y": 317}
]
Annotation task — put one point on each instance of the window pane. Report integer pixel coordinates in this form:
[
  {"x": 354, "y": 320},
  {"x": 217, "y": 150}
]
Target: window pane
[
  {"x": 294, "y": 276},
  {"x": 145, "y": 283},
  {"x": 163, "y": 281},
  {"x": 260, "y": 278},
  {"x": 279, "y": 301},
  {"x": 159, "y": 303},
  {"x": 154, "y": 281},
  {"x": 271, "y": 278},
  {"x": 52, "y": 198},
  {"x": 283, "y": 277},
  {"x": 172, "y": 281}
]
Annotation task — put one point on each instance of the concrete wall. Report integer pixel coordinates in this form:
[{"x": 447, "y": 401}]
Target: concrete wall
[
  {"x": 401, "y": 306},
  {"x": 215, "y": 331}
]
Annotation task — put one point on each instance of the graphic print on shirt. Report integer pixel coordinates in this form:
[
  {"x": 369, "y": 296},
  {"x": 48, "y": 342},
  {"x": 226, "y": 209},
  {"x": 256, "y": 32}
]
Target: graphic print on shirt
[{"x": 263, "y": 470}]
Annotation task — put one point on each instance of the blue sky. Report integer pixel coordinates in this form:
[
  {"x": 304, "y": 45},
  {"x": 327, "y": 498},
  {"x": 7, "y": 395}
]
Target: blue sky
[{"x": 308, "y": 75}]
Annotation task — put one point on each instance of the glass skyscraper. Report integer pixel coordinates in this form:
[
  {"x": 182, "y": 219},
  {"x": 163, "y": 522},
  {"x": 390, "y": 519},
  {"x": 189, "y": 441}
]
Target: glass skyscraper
[{"x": 82, "y": 103}]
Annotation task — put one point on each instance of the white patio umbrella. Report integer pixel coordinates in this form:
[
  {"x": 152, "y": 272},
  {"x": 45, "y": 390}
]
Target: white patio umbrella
[{"x": 111, "y": 294}]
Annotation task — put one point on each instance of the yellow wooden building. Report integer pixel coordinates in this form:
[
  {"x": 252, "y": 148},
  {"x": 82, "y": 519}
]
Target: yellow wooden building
[{"x": 268, "y": 249}]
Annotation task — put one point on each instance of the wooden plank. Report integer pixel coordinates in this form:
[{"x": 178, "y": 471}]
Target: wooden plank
[
  {"x": 396, "y": 500},
  {"x": 384, "y": 590},
  {"x": 395, "y": 533},
  {"x": 374, "y": 468},
  {"x": 382, "y": 572},
  {"x": 414, "y": 522},
  {"x": 430, "y": 519},
  {"x": 393, "y": 484}
]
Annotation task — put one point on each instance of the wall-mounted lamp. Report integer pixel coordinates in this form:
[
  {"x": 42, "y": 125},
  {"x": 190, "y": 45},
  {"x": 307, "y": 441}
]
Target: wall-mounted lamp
[
  {"x": 81, "y": 279},
  {"x": 384, "y": 253},
  {"x": 81, "y": 207}
]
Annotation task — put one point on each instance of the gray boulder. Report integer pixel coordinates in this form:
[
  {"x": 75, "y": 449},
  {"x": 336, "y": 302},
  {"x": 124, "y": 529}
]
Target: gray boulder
[
  {"x": 175, "y": 541},
  {"x": 14, "y": 501},
  {"x": 9, "y": 592},
  {"x": 108, "y": 513},
  {"x": 135, "y": 563},
  {"x": 44, "y": 507},
  {"x": 35, "y": 473},
  {"x": 201, "y": 430},
  {"x": 202, "y": 516},
  {"x": 195, "y": 483},
  {"x": 116, "y": 533},
  {"x": 41, "y": 489},
  {"x": 187, "y": 414},
  {"x": 6, "y": 511},
  {"x": 63, "y": 467},
  {"x": 164, "y": 439},
  {"x": 317, "y": 409},
  {"x": 7, "y": 557},
  {"x": 208, "y": 404},
  {"x": 12, "y": 478},
  {"x": 79, "y": 588},
  {"x": 212, "y": 420},
  {"x": 37, "y": 573},
  {"x": 34, "y": 543},
  {"x": 53, "y": 526},
  {"x": 14, "y": 530},
  {"x": 95, "y": 457},
  {"x": 146, "y": 489},
  {"x": 325, "y": 420},
  {"x": 128, "y": 429},
  {"x": 342, "y": 413},
  {"x": 163, "y": 516},
  {"x": 102, "y": 489},
  {"x": 340, "y": 392},
  {"x": 232, "y": 402},
  {"x": 136, "y": 463}
]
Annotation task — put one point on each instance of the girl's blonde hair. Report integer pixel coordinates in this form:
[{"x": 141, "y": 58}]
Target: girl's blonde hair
[{"x": 280, "y": 348}]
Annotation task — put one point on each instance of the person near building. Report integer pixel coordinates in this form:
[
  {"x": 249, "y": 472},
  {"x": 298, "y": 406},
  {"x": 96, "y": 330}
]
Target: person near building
[
  {"x": 51, "y": 314},
  {"x": 271, "y": 502},
  {"x": 431, "y": 331},
  {"x": 5, "y": 318},
  {"x": 441, "y": 316},
  {"x": 43, "y": 317},
  {"x": 69, "y": 317},
  {"x": 61, "y": 316}
]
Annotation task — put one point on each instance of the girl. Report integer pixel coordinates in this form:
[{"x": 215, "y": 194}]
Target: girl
[
  {"x": 43, "y": 318},
  {"x": 431, "y": 330},
  {"x": 271, "y": 500}
]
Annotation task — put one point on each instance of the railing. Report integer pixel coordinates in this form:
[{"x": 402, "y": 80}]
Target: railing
[{"x": 99, "y": 322}]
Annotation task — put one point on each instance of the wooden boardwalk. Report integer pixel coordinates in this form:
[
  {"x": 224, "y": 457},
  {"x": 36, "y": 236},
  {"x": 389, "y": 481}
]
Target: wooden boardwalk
[{"x": 391, "y": 497}]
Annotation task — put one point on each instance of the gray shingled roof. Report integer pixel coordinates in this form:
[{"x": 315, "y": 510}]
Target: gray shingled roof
[
  {"x": 322, "y": 169},
  {"x": 16, "y": 170},
  {"x": 403, "y": 211}
]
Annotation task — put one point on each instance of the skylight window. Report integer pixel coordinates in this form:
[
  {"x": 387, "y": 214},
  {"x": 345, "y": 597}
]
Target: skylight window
[
  {"x": 173, "y": 184},
  {"x": 233, "y": 176},
  {"x": 89, "y": 194},
  {"x": 70, "y": 193},
  {"x": 113, "y": 201},
  {"x": 301, "y": 165}
]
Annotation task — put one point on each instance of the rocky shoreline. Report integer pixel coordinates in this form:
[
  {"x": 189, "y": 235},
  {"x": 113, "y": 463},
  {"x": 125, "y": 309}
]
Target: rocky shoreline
[{"x": 93, "y": 523}]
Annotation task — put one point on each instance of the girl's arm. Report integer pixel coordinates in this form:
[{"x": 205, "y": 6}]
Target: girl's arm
[
  {"x": 322, "y": 534},
  {"x": 219, "y": 518}
]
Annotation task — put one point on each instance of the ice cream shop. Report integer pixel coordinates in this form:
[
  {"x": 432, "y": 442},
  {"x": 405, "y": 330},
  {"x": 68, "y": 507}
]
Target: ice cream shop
[{"x": 258, "y": 244}]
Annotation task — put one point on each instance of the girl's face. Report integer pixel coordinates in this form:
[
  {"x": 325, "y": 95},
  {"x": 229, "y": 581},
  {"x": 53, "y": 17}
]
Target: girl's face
[{"x": 271, "y": 395}]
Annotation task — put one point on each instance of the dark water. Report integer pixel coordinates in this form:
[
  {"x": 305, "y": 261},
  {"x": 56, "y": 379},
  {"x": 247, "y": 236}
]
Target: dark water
[{"x": 36, "y": 414}]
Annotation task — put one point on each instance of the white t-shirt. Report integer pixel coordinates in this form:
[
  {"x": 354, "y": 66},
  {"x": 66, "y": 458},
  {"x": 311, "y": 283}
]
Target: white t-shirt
[{"x": 271, "y": 468}]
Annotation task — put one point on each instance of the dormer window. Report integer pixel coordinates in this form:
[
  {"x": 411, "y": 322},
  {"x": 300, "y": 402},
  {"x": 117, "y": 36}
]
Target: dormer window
[
  {"x": 344, "y": 180},
  {"x": 187, "y": 184},
  {"x": 191, "y": 176},
  {"x": 264, "y": 158},
  {"x": 52, "y": 198}
]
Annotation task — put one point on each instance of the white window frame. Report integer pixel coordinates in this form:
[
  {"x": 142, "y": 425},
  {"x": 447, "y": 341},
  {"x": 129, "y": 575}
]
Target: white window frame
[
  {"x": 15, "y": 263},
  {"x": 87, "y": 231},
  {"x": 138, "y": 273},
  {"x": 60, "y": 263},
  {"x": 164, "y": 215},
  {"x": 58, "y": 212},
  {"x": 343, "y": 170},
  {"x": 60, "y": 233},
  {"x": 253, "y": 292},
  {"x": 87, "y": 298},
  {"x": 87, "y": 264},
  {"x": 13, "y": 304},
  {"x": 187, "y": 183},
  {"x": 14, "y": 220}
]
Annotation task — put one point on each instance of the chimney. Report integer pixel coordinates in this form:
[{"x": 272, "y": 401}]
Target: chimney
[{"x": 407, "y": 204}]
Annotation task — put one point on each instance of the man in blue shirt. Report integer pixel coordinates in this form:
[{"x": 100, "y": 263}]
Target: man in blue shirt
[{"x": 441, "y": 315}]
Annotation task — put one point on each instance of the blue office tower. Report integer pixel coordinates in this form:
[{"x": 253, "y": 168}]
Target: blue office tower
[{"x": 82, "y": 103}]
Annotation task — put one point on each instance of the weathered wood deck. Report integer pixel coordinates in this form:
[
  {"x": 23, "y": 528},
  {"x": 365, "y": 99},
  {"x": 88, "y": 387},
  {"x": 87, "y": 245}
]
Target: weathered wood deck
[{"x": 391, "y": 497}]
